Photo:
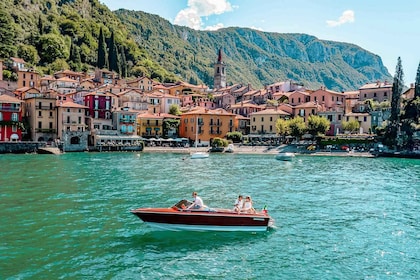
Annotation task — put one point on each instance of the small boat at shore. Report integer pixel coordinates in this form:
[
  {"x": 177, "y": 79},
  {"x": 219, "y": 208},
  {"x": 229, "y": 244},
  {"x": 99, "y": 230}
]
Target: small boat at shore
[
  {"x": 285, "y": 156},
  {"x": 179, "y": 218},
  {"x": 198, "y": 155}
]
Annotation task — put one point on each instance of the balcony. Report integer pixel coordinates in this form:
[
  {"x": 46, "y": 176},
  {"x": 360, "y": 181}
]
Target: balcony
[
  {"x": 9, "y": 109},
  {"x": 127, "y": 120},
  {"x": 45, "y": 130},
  {"x": 215, "y": 123}
]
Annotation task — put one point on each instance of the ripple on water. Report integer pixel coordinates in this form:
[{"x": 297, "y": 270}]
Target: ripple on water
[{"x": 336, "y": 218}]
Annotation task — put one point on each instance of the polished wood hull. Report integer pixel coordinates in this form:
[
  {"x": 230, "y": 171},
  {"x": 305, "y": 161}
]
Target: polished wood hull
[{"x": 202, "y": 220}]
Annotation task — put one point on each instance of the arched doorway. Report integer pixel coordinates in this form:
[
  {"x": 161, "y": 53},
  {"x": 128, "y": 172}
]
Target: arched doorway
[{"x": 75, "y": 140}]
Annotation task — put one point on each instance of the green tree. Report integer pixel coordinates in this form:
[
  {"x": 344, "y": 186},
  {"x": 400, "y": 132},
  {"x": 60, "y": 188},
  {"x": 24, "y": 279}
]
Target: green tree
[
  {"x": 123, "y": 63},
  {"x": 397, "y": 88},
  {"x": 297, "y": 127},
  {"x": 351, "y": 125},
  {"x": 7, "y": 35},
  {"x": 102, "y": 61},
  {"x": 282, "y": 127},
  {"x": 318, "y": 125},
  {"x": 392, "y": 131},
  {"x": 417, "y": 83},
  {"x": 219, "y": 142},
  {"x": 28, "y": 53},
  {"x": 174, "y": 110},
  {"x": 52, "y": 47},
  {"x": 235, "y": 136},
  {"x": 113, "y": 55}
]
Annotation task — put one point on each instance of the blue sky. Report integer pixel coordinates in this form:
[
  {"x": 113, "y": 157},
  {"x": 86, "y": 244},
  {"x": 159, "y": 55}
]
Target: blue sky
[{"x": 387, "y": 28}]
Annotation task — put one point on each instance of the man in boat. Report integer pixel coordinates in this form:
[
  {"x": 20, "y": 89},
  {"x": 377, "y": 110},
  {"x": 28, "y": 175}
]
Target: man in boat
[{"x": 197, "y": 202}]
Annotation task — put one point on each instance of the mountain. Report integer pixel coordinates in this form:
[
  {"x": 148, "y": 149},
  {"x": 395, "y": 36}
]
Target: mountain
[
  {"x": 55, "y": 34},
  {"x": 253, "y": 56}
]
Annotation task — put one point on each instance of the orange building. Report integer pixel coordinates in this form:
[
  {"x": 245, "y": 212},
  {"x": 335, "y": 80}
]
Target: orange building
[{"x": 205, "y": 125}]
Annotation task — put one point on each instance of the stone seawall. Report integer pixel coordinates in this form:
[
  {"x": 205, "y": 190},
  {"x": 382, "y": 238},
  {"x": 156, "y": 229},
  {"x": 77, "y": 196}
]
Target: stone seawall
[{"x": 20, "y": 147}]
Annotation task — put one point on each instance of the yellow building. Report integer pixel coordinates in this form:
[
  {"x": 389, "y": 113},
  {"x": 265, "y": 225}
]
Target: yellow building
[
  {"x": 42, "y": 115},
  {"x": 150, "y": 125},
  {"x": 205, "y": 125},
  {"x": 264, "y": 122}
]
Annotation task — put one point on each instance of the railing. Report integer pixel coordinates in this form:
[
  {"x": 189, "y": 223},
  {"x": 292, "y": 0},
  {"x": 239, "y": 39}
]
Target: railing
[
  {"x": 127, "y": 120},
  {"x": 45, "y": 130},
  {"x": 9, "y": 109}
]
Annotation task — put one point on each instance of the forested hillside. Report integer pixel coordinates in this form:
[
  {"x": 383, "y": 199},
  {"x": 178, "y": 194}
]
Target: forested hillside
[{"x": 58, "y": 34}]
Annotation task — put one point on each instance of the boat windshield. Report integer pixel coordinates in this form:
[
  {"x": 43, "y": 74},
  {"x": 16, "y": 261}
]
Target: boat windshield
[{"x": 183, "y": 204}]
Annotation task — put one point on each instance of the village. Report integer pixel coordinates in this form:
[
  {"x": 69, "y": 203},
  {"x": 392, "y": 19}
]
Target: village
[{"x": 98, "y": 111}]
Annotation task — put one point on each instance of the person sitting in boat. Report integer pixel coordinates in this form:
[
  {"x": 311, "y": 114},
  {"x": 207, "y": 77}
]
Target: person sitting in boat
[
  {"x": 197, "y": 202},
  {"x": 248, "y": 208},
  {"x": 239, "y": 203}
]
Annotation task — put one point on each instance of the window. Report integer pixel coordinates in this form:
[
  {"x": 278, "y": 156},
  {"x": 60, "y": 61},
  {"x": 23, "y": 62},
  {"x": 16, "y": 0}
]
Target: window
[
  {"x": 40, "y": 114},
  {"x": 1, "y": 116},
  {"x": 364, "y": 118},
  {"x": 51, "y": 125},
  {"x": 51, "y": 106},
  {"x": 374, "y": 94},
  {"x": 39, "y": 124},
  {"x": 80, "y": 120},
  {"x": 323, "y": 98},
  {"x": 385, "y": 93},
  {"x": 271, "y": 119},
  {"x": 14, "y": 128},
  {"x": 68, "y": 110},
  {"x": 68, "y": 119},
  {"x": 262, "y": 119},
  {"x": 51, "y": 114}
]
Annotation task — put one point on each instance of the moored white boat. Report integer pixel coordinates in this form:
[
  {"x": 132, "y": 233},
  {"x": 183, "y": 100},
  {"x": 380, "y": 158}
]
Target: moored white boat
[
  {"x": 198, "y": 155},
  {"x": 286, "y": 156},
  {"x": 177, "y": 218}
]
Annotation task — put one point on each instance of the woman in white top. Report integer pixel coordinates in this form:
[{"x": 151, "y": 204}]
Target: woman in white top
[{"x": 248, "y": 206}]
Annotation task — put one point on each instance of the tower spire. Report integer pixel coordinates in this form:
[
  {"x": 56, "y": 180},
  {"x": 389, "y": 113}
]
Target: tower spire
[{"x": 219, "y": 71}]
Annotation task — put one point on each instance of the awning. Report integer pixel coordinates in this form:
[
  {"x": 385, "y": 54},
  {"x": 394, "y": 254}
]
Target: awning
[
  {"x": 14, "y": 136},
  {"x": 119, "y": 137}
]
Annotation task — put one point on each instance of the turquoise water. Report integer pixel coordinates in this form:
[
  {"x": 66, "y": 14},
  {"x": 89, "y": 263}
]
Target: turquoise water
[{"x": 67, "y": 217}]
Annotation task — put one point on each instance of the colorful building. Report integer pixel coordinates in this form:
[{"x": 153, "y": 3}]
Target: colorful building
[
  {"x": 10, "y": 118},
  {"x": 203, "y": 125}
]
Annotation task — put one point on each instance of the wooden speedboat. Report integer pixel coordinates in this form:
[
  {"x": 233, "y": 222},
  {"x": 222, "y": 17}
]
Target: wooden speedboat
[{"x": 178, "y": 218}]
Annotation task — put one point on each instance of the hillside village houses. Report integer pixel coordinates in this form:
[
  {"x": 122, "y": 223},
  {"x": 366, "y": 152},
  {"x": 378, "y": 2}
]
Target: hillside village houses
[{"x": 100, "y": 111}]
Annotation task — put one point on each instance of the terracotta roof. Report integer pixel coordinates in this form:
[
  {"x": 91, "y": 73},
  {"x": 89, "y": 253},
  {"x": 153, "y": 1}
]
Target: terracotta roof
[
  {"x": 308, "y": 105},
  {"x": 376, "y": 85},
  {"x": 202, "y": 111},
  {"x": 70, "y": 104},
  {"x": 9, "y": 99},
  {"x": 271, "y": 111}
]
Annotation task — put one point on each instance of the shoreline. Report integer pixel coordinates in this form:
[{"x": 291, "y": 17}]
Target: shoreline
[{"x": 257, "y": 150}]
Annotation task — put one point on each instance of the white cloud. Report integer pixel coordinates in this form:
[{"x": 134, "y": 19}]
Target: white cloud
[
  {"x": 214, "y": 27},
  {"x": 257, "y": 28},
  {"x": 197, "y": 9},
  {"x": 346, "y": 17}
]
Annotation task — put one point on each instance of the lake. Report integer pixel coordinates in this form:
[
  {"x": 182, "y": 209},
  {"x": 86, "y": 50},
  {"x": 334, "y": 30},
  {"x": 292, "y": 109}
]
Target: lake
[{"x": 67, "y": 217}]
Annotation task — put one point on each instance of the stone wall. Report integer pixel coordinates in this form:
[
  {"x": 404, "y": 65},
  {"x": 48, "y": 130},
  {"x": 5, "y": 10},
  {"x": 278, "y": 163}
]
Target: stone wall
[{"x": 20, "y": 147}]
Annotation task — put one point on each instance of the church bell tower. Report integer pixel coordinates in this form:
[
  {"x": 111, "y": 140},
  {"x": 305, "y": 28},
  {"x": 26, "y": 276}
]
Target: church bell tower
[{"x": 219, "y": 72}]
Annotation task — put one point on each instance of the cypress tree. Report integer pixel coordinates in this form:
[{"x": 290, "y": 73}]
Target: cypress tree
[
  {"x": 417, "y": 83},
  {"x": 40, "y": 26},
  {"x": 101, "y": 61},
  {"x": 397, "y": 88},
  {"x": 123, "y": 63},
  {"x": 113, "y": 54}
]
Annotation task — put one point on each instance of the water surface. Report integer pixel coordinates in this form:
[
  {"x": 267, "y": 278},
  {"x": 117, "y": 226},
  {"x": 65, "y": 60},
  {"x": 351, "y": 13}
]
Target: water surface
[{"x": 67, "y": 217}]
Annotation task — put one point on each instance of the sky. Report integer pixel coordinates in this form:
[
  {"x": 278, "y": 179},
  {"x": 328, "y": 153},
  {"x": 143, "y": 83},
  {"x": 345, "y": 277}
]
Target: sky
[{"x": 390, "y": 29}]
